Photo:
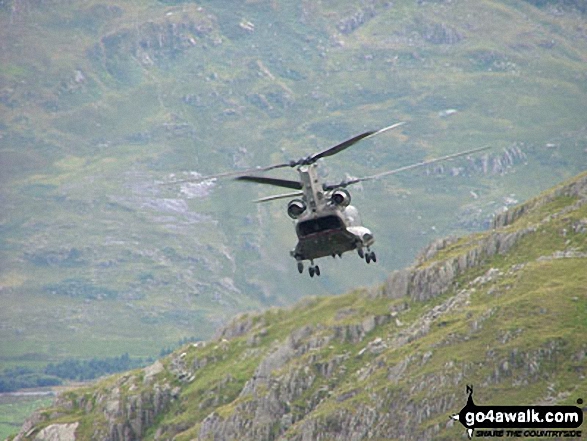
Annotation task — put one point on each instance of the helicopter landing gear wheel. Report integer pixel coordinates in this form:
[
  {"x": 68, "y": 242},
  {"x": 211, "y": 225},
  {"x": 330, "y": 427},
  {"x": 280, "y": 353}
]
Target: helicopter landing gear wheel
[
  {"x": 300, "y": 267},
  {"x": 361, "y": 252},
  {"x": 368, "y": 257},
  {"x": 373, "y": 257},
  {"x": 314, "y": 270}
]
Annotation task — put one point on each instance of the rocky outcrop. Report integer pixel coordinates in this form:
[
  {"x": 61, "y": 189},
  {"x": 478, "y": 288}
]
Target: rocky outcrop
[
  {"x": 430, "y": 277},
  {"x": 157, "y": 39},
  {"x": 282, "y": 394},
  {"x": 437, "y": 33},
  {"x": 355, "y": 20},
  {"x": 237, "y": 327},
  {"x": 57, "y": 432},
  {"x": 127, "y": 408},
  {"x": 576, "y": 188}
]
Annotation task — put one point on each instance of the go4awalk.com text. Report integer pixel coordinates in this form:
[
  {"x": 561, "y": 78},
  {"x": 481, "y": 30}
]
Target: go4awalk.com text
[
  {"x": 528, "y": 433},
  {"x": 520, "y": 421}
]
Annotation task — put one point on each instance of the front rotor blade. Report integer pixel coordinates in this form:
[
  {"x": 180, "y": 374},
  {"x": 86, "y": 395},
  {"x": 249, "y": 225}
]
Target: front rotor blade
[
  {"x": 280, "y": 196},
  {"x": 304, "y": 161},
  {"x": 228, "y": 174},
  {"x": 405, "y": 168},
  {"x": 346, "y": 144},
  {"x": 295, "y": 185}
]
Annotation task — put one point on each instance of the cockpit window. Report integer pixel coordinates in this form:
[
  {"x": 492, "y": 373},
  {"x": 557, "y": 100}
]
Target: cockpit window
[{"x": 319, "y": 225}]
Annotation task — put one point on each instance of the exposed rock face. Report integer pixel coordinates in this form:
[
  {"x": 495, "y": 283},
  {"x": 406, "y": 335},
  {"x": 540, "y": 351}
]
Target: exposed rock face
[
  {"x": 576, "y": 188},
  {"x": 153, "y": 41},
  {"x": 129, "y": 415},
  {"x": 430, "y": 279},
  {"x": 352, "y": 22},
  {"x": 57, "y": 432},
  {"x": 127, "y": 408},
  {"x": 236, "y": 328}
]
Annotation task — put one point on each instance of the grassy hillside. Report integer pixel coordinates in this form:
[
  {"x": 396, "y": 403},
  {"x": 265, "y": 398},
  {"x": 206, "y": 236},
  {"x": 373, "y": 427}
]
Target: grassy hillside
[
  {"x": 101, "y": 101},
  {"x": 375, "y": 363}
]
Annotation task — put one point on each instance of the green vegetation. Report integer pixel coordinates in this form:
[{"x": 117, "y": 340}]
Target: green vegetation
[
  {"x": 15, "y": 409},
  {"x": 88, "y": 370},
  {"x": 53, "y": 374},
  {"x": 22, "y": 377}
]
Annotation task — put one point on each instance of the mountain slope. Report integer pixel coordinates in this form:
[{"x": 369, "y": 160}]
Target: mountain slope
[{"x": 502, "y": 310}]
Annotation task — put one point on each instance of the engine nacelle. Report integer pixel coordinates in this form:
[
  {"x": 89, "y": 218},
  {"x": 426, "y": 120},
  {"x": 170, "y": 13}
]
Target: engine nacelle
[
  {"x": 296, "y": 208},
  {"x": 341, "y": 198}
]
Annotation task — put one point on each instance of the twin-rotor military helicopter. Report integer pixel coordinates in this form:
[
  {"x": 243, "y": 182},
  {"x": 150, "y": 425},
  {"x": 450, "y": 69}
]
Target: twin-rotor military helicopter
[{"x": 325, "y": 222}]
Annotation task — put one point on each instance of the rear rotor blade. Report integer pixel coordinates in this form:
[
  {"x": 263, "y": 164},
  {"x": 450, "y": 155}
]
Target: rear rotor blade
[
  {"x": 295, "y": 185},
  {"x": 280, "y": 196},
  {"x": 405, "y": 168},
  {"x": 349, "y": 142}
]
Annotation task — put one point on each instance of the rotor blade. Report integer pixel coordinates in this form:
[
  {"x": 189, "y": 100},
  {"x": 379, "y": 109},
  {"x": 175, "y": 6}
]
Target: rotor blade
[
  {"x": 272, "y": 181},
  {"x": 405, "y": 168},
  {"x": 385, "y": 129},
  {"x": 280, "y": 196},
  {"x": 227, "y": 174},
  {"x": 304, "y": 161},
  {"x": 349, "y": 142}
]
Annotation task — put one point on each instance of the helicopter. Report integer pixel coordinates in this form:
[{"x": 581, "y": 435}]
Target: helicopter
[{"x": 326, "y": 224}]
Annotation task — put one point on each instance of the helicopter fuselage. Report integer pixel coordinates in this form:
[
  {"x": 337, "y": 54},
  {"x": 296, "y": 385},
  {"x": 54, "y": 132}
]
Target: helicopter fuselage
[
  {"x": 327, "y": 225},
  {"x": 330, "y": 233}
]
